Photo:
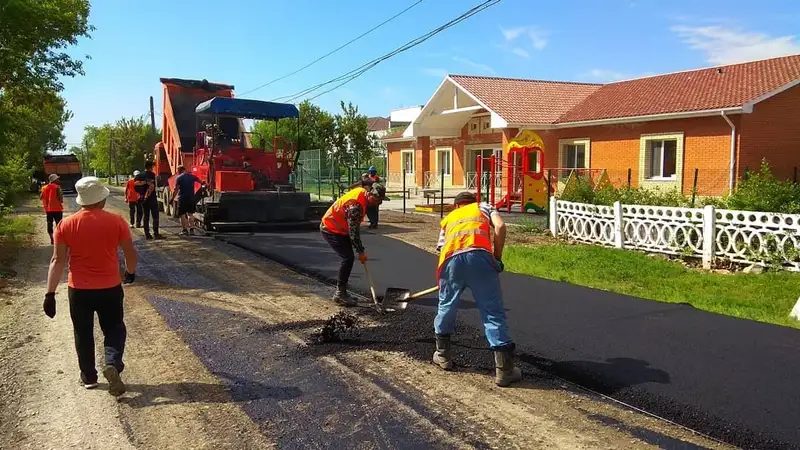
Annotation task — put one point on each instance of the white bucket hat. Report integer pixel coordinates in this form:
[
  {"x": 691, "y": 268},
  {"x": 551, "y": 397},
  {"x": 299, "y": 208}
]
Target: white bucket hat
[
  {"x": 90, "y": 191},
  {"x": 53, "y": 177}
]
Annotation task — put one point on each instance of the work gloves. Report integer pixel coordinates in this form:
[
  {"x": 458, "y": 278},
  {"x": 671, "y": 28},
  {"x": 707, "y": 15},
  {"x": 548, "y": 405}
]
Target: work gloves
[
  {"x": 129, "y": 278},
  {"x": 499, "y": 265},
  {"x": 362, "y": 257},
  {"x": 49, "y": 305}
]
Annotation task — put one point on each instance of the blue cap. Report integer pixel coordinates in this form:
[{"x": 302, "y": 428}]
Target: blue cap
[{"x": 372, "y": 169}]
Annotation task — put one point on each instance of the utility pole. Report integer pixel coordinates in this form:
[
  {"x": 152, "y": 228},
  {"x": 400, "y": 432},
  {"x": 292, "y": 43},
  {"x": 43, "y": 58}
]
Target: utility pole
[{"x": 152, "y": 117}]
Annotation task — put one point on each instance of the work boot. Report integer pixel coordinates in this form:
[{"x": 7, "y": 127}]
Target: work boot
[
  {"x": 341, "y": 296},
  {"x": 115, "y": 385},
  {"x": 505, "y": 372},
  {"x": 443, "y": 356}
]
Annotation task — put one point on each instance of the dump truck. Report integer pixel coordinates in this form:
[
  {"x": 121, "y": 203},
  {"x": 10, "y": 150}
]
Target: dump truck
[
  {"x": 245, "y": 180},
  {"x": 66, "y": 166}
]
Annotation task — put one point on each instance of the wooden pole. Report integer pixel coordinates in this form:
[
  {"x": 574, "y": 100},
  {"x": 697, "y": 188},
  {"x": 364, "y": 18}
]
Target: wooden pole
[{"x": 694, "y": 186}]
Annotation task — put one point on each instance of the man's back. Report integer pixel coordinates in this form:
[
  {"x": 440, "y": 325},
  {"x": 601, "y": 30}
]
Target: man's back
[
  {"x": 184, "y": 183},
  {"x": 92, "y": 236}
]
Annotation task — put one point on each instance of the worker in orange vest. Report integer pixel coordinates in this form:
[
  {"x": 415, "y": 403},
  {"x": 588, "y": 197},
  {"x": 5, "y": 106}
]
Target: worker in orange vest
[
  {"x": 467, "y": 260},
  {"x": 132, "y": 198},
  {"x": 53, "y": 201},
  {"x": 340, "y": 228}
]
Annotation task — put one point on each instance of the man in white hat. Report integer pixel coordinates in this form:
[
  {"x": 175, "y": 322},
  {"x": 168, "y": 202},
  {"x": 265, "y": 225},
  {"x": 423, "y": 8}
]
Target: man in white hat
[
  {"x": 53, "y": 201},
  {"x": 92, "y": 237}
]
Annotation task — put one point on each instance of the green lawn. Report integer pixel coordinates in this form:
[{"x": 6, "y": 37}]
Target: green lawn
[
  {"x": 764, "y": 297},
  {"x": 12, "y": 228}
]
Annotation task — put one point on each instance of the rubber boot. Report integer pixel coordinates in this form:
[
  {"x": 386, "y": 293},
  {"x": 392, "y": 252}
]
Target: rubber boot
[
  {"x": 341, "y": 296},
  {"x": 505, "y": 372},
  {"x": 443, "y": 356}
]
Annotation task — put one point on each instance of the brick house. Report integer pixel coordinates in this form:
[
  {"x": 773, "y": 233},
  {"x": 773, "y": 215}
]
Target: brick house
[{"x": 656, "y": 130}]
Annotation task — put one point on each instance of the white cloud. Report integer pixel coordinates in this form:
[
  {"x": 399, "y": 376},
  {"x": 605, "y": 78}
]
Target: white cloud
[
  {"x": 604, "y": 75},
  {"x": 536, "y": 40},
  {"x": 520, "y": 52},
  {"x": 434, "y": 72},
  {"x": 477, "y": 66},
  {"x": 723, "y": 45}
]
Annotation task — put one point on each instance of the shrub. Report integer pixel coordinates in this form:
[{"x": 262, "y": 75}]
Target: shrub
[
  {"x": 761, "y": 191},
  {"x": 15, "y": 178}
]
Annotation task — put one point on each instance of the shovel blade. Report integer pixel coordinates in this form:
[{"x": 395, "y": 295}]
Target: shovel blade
[{"x": 396, "y": 298}]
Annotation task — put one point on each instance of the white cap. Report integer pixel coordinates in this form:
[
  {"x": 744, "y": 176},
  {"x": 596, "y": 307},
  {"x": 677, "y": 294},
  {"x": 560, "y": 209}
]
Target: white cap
[
  {"x": 90, "y": 191},
  {"x": 52, "y": 177},
  {"x": 136, "y": 172}
]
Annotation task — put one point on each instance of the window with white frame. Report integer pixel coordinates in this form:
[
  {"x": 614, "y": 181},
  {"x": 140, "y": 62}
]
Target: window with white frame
[
  {"x": 662, "y": 157},
  {"x": 407, "y": 161},
  {"x": 443, "y": 161},
  {"x": 574, "y": 155}
]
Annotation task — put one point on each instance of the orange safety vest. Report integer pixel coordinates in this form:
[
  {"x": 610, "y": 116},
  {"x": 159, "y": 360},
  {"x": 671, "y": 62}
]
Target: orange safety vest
[
  {"x": 334, "y": 219},
  {"x": 50, "y": 198},
  {"x": 130, "y": 190},
  {"x": 465, "y": 228}
]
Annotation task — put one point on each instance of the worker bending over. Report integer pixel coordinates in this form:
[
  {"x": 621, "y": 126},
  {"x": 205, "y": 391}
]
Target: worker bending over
[
  {"x": 88, "y": 242},
  {"x": 466, "y": 260},
  {"x": 341, "y": 230},
  {"x": 145, "y": 184},
  {"x": 184, "y": 196},
  {"x": 132, "y": 199},
  {"x": 53, "y": 201}
]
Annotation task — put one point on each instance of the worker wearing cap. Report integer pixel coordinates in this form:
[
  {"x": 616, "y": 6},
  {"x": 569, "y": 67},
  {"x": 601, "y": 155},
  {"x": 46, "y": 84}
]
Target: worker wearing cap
[
  {"x": 145, "y": 184},
  {"x": 467, "y": 260},
  {"x": 53, "y": 201},
  {"x": 132, "y": 198},
  {"x": 88, "y": 242},
  {"x": 372, "y": 211},
  {"x": 341, "y": 230}
]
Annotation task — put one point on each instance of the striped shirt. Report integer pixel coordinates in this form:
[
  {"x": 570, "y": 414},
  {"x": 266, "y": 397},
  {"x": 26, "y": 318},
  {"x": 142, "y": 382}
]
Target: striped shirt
[{"x": 486, "y": 209}]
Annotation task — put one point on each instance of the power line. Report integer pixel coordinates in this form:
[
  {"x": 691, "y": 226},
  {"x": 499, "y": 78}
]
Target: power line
[
  {"x": 334, "y": 50},
  {"x": 355, "y": 73}
]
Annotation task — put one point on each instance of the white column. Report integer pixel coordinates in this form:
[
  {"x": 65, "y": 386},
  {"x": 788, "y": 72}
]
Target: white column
[
  {"x": 709, "y": 235},
  {"x": 619, "y": 237},
  {"x": 554, "y": 216}
]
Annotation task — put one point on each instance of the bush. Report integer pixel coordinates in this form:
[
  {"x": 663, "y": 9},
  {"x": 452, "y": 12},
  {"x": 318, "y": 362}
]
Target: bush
[
  {"x": 761, "y": 191},
  {"x": 583, "y": 192},
  {"x": 15, "y": 178}
]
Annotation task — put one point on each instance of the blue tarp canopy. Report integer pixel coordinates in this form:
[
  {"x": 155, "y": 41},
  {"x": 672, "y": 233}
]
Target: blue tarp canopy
[{"x": 248, "y": 109}]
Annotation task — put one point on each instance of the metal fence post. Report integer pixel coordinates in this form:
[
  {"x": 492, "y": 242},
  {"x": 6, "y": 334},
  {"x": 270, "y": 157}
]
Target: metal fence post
[
  {"x": 629, "y": 177},
  {"x": 441, "y": 192},
  {"x": 694, "y": 186},
  {"x": 404, "y": 191},
  {"x": 709, "y": 235},
  {"x": 619, "y": 236}
]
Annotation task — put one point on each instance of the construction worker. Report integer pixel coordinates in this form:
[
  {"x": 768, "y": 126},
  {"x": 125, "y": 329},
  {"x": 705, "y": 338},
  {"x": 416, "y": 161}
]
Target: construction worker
[
  {"x": 145, "y": 184},
  {"x": 184, "y": 195},
  {"x": 372, "y": 211},
  {"x": 88, "y": 242},
  {"x": 132, "y": 198},
  {"x": 53, "y": 201},
  {"x": 466, "y": 260},
  {"x": 340, "y": 228}
]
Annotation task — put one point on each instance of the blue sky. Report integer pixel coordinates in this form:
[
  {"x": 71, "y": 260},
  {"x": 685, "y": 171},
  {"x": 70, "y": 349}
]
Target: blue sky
[{"x": 250, "y": 42}]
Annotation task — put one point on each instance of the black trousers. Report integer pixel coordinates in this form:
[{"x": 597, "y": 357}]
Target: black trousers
[
  {"x": 53, "y": 218},
  {"x": 107, "y": 303},
  {"x": 343, "y": 247},
  {"x": 150, "y": 208},
  {"x": 372, "y": 215},
  {"x": 136, "y": 212}
]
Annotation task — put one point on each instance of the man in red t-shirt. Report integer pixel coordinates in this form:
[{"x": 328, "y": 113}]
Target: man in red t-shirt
[
  {"x": 53, "y": 202},
  {"x": 92, "y": 237}
]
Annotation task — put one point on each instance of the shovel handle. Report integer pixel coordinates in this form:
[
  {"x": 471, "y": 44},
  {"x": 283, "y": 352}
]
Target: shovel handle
[
  {"x": 371, "y": 285},
  {"x": 425, "y": 292}
]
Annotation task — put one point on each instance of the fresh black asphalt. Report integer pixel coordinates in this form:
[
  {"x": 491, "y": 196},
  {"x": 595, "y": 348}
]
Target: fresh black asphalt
[{"x": 735, "y": 380}]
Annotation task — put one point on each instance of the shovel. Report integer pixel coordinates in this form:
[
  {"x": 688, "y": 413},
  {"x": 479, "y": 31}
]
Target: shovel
[
  {"x": 372, "y": 289},
  {"x": 398, "y": 298}
]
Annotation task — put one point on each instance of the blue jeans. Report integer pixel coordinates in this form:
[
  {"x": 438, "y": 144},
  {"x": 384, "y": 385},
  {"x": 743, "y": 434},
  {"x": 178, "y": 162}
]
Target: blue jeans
[{"x": 475, "y": 270}]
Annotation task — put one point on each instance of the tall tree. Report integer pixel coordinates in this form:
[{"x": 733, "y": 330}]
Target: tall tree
[
  {"x": 34, "y": 35},
  {"x": 119, "y": 147}
]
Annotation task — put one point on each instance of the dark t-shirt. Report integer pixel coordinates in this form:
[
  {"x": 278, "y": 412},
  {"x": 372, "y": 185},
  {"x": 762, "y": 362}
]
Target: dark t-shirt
[
  {"x": 185, "y": 185},
  {"x": 144, "y": 176}
]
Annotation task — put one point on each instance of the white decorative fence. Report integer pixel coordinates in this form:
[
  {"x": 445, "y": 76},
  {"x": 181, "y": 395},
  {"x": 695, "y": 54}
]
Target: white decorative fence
[{"x": 747, "y": 237}]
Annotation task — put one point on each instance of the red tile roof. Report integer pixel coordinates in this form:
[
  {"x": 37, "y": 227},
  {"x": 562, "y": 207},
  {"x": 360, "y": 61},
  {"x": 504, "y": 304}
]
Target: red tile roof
[
  {"x": 378, "y": 123},
  {"x": 526, "y": 101},
  {"x": 694, "y": 90}
]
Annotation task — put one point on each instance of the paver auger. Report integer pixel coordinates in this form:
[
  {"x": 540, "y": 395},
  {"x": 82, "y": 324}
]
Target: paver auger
[{"x": 245, "y": 184}]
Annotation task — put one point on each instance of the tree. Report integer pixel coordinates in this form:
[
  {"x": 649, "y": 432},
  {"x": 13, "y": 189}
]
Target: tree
[
  {"x": 33, "y": 37},
  {"x": 119, "y": 147}
]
